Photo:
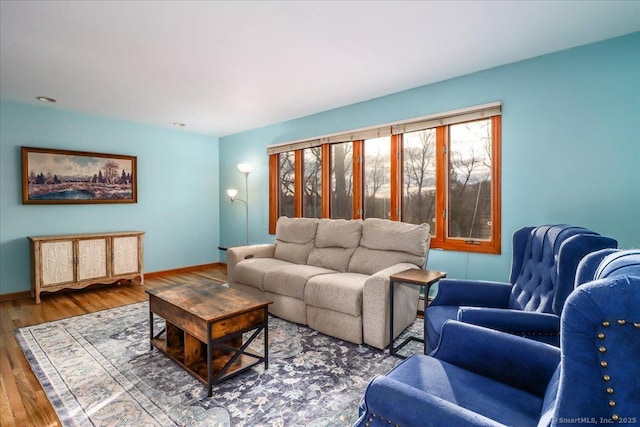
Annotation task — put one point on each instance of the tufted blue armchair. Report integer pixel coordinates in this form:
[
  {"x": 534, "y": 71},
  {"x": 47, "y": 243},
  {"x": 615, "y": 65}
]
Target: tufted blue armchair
[
  {"x": 483, "y": 377},
  {"x": 543, "y": 270}
]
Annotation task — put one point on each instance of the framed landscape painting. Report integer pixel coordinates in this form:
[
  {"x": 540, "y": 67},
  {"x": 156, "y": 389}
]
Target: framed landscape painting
[{"x": 62, "y": 176}]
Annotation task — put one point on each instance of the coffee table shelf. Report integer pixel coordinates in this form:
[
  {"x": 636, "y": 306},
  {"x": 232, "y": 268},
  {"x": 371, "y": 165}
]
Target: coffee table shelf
[{"x": 193, "y": 358}]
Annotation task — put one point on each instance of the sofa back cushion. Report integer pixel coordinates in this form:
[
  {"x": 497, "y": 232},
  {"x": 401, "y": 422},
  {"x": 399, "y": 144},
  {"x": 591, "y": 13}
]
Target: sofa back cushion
[
  {"x": 295, "y": 238},
  {"x": 336, "y": 240},
  {"x": 385, "y": 243}
]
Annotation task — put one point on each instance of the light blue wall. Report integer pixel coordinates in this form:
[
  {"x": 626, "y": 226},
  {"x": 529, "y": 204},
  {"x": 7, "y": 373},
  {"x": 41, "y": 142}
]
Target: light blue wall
[
  {"x": 570, "y": 146},
  {"x": 177, "y": 189}
]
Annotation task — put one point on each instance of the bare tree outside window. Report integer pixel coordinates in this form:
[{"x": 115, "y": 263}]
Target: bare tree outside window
[
  {"x": 312, "y": 172},
  {"x": 377, "y": 178},
  {"x": 419, "y": 178},
  {"x": 469, "y": 187},
  {"x": 342, "y": 180},
  {"x": 286, "y": 182}
]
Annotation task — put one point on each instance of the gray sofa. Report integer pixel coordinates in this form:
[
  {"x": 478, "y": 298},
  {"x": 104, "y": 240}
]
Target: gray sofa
[{"x": 333, "y": 274}]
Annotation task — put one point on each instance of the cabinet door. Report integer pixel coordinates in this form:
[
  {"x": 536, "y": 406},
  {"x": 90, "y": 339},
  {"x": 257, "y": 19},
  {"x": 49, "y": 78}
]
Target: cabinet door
[
  {"x": 57, "y": 262},
  {"x": 92, "y": 258},
  {"x": 125, "y": 255}
]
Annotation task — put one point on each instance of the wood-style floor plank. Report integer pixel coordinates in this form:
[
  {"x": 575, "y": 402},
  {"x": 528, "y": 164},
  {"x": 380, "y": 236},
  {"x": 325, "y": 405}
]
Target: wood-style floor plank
[{"x": 22, "y": 399}]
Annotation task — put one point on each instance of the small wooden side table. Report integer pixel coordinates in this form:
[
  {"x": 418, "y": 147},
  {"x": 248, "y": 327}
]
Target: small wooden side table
[{"x": 413, "y": 276}]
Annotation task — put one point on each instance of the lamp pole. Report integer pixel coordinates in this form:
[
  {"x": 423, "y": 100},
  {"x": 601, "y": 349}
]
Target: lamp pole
[
  {"x": 246, "y": 169},
  {"x": 246, "y": 203}
]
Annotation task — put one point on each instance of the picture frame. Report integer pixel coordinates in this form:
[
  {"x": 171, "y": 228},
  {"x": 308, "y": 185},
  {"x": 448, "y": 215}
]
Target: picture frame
[{"x": 51, "y": 176}]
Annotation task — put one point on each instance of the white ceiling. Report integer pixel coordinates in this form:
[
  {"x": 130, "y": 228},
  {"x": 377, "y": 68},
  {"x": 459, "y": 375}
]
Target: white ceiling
[{"x": 223, "y": 67}]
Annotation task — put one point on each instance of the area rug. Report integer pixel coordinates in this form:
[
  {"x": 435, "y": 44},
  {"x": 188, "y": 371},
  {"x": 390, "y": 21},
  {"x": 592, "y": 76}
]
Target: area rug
[{"x": 97, "y": 370}]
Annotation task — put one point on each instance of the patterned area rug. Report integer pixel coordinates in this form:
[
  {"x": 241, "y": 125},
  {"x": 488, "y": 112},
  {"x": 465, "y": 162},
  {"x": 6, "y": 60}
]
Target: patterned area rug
[{"x": 97, "y": 370}]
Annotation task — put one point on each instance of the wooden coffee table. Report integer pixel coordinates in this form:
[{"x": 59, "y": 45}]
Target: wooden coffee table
[{"x": 204, "y": 328}]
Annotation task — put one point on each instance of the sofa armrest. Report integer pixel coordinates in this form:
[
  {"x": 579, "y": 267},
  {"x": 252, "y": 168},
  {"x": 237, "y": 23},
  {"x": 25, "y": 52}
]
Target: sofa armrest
[
  {"x": 520, "y": 362},
  {"x": 477, "y": 293},
  {"x": 388, "y": 401},
  {"x": 512, "y": 321},
  {"x": 375, "y": 306},
  {"x": 239, "y": 253}
]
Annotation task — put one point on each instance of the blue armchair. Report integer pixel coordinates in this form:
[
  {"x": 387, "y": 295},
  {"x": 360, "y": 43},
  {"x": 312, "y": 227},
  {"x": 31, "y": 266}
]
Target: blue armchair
[
  {"x": 483, "y": 377},
  {"x": 543, "y": 270},
  {"x": 608, "y": 263}
]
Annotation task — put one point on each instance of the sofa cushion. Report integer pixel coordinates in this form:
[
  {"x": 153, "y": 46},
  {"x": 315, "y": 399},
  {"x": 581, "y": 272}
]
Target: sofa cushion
[
  {"x": 336, "y": 259},
  {"x": 295, "y": 239},
  {"x": 339, "y": 233},
  {"x": 290, "y": 279},
  {"x": 385, "y": 243},
  {"x": 340, "y": 292},
  {"x": 336, "y": 239},
  {"x": 370, "y": 261},
  {"x": 251, "y": 271},
  {"x": 397, "y": 236}
]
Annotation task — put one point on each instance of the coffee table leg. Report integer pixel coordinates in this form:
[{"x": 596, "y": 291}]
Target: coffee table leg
[
  {"x": 150, "y": 330},
  {"x": 209, "y": 362}
]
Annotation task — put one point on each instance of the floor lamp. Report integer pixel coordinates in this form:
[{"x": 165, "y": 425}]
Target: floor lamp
[{"x": 246, "y": 169}]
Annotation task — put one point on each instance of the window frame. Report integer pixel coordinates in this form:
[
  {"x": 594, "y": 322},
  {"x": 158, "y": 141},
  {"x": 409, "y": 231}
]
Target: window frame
[{"x": 439, "y": 239}]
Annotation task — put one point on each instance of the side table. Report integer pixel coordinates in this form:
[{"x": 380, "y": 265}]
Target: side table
[{"x": 413, "y": 276}]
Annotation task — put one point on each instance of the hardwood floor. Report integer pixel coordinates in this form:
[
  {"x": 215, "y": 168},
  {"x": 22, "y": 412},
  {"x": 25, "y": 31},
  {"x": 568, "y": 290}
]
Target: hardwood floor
[{"x": 22, "y": 400}]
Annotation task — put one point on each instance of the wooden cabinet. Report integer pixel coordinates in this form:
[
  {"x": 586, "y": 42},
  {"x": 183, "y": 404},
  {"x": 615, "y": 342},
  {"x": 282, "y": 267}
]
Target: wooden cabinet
[{"x": 78, "y": 260}]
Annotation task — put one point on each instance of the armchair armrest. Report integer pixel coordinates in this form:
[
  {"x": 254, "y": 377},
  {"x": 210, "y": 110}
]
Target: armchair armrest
[
  {"x": 480, "y": 293},
  {"x": 239, "y": 253},
  {"x": 396, "y": 403},
  {"x": 512, "y": 321},
  {"x": 520, "y": 362}
]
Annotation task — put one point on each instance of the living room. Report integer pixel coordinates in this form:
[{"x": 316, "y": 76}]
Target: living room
[{"x": 570, "y": 151}]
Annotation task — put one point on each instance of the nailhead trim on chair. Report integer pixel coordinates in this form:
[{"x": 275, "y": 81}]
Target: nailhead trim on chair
[
  {"x": 370, "y": 420},
  {"x": 535, "y": 334},
  {"x": 604, "y": 364}
]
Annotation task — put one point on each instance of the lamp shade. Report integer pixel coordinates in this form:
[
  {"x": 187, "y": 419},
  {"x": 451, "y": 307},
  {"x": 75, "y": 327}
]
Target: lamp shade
[
  {"x": 232, "y": 193},
  {"x": 245, "y": 167}
]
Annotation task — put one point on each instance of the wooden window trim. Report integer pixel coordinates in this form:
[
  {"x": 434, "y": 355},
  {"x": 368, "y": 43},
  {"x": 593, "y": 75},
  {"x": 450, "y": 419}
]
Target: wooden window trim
[
  {"x": 439, "y": 239},
  {"x": 298, "y": 183},
  {"x": 326, "y": 181},
  {"x": 396, "y": 177},
  {"x": 274, "y": 202},
  {"x": 358, "y": 179}
]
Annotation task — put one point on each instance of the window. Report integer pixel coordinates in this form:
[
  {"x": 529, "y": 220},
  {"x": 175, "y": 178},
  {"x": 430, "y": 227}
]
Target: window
[
  {"x": 469, "y": 181},
  {"x": 443, "y": 170},
  {"x": 286, "y": 196},
  {"x": 377, "y": 178},
  {"x": 312, "y": 190},
  {"x": 419, "y": 178},
  {"x": 342, "y": 180}
]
